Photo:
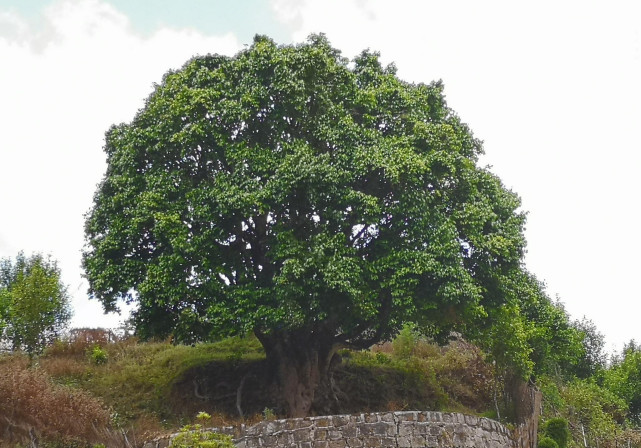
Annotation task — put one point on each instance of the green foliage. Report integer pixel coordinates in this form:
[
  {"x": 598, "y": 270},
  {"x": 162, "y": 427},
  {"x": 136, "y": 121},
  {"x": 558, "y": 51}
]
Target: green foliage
[
  {"x": 98, "y": 355},
  {"x": 557, "y": 429},
  {"x": 623, "y": 379},
  {"x": 454, "y": 377},
  {"x": 547, "y": 442},
  {"x": 594, "y": 407},
  {"x": 193, "y": 436},
  {"x": 34, "y": 304},
  {"x": 406, "y": 340},
  {"x": 268, "y": 414},
  {"x": 530, "y": 335},
  {"x": 593, "y": 359},
  {"x": 203, "y": 417},
  {"x": 287, "y": 189},
  {"x": 586, "y": 406},
  {"x": 507, "y": 339}
]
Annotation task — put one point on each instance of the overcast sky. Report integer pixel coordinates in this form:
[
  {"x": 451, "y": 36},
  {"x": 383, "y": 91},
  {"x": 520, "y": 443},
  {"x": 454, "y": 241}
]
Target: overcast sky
[{"x": 551, "y": 87}]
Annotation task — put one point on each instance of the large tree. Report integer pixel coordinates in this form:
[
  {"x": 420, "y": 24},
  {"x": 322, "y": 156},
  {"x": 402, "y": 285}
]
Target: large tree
[
  {"x": 34, "y": 303},
  {"x": 314, "y": 201}
]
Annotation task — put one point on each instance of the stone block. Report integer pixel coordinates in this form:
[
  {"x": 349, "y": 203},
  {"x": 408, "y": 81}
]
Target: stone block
[
  {"x": 387, "y": 417},
  {"x": 459, "y": 440},
  {"x": 254, "y": 442},
  {"x": 461, "y": 428},
  {"x": 404, "y": 442},
  {"x": 371, "y": 442},
  {"x": 471, "y": 420},
  {"x": 253, "y": 430},
  {"x": 388, "y": 442},
  {"x": 269, "y": 439},
  {"x": 423, "y": 428},
  {"x": 291, "y": 423},
  {"x": 337, "y": 444},
  {"x": 406, "y": 416},
  {"x": 334, "y": 434},
  {"x": 341, "y": 420},
  {"x": 302, "y": 435},
  {"x": 350, "y": 431},
  {"x": 370, "y": 418},
  {"x": 431, "y": 442},
  {"x": 322, "y": 422},
  {"x": 320, "y": 434},
  {"x": 406, "y": 429},
  {"x": 378, "y": 429},
  {"x": 284, "y": 439}
]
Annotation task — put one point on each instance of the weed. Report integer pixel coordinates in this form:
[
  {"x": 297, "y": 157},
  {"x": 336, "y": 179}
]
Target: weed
[
  {"x": 98, "y": 355},
  {"x": 202, "y": 417},
  {"x": 193, "y": 436},
  {"x": 269, "y": 414}
]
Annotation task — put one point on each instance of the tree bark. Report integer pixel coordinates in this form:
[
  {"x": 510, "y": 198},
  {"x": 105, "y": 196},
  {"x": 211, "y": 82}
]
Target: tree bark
[{"x": 300, "y": 364}]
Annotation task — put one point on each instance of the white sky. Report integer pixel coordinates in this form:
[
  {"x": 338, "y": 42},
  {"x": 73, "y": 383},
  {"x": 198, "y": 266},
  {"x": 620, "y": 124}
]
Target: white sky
[{"x": 552, "y": 87}]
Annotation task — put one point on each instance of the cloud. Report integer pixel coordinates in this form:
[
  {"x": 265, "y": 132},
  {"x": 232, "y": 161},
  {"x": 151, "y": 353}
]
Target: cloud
[{"x": 62, "y": 85}]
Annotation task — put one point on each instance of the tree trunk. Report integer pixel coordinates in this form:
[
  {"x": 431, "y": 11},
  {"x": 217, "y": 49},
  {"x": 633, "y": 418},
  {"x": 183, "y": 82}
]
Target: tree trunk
[{"x": 300, "y": 364}]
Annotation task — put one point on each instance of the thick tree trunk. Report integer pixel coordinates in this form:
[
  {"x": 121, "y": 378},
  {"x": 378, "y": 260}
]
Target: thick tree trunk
[{"x": 301, "y": 369}]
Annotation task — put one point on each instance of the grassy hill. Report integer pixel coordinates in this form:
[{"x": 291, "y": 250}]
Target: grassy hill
[{"x": 91, "y": 391}]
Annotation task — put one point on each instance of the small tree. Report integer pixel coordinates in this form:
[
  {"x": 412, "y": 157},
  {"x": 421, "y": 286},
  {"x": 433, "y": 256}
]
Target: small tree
[
  {"x": 34, "y": 304},
  {"x": 593, "y": 358},
  {"x": 623, "y": 379}
]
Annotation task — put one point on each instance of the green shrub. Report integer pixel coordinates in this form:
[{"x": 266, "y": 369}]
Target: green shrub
[
  {"x": 193, "y": 436},
  {"x": 382, "y": 359},
  {"x": 405, "y": 342},
  {"x": 557, "y": 429},
  {"x": 547, "y": 442},
  {"x": 98, "y": 355},
  {"x": 269, "y": 414}
]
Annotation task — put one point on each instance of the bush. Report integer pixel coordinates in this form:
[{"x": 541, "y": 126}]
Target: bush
[
  {"x": 29, "y": 401},
  {"x": 547, "y": 442},
  {"x": 193, "y": 436},
  {"x": 557, "y": 429},
  {"x": 98, "y": 355},
  {"x": 406, "y": 341}
]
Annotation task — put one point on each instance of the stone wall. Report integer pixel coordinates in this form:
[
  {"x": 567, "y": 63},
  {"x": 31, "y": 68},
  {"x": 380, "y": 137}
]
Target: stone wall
[{"x": 410, "y": 429}]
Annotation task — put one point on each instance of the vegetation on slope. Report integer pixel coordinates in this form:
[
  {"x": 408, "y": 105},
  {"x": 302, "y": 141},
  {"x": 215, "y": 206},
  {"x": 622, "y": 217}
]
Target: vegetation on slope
[
  {"x": 129, "y": 391},
  {"x": 90, "y": 390}
]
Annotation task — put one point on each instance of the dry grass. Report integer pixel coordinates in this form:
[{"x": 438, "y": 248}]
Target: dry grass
[
  {"x": 64, "y": 367},
  {"x": 31, "y": 406}
]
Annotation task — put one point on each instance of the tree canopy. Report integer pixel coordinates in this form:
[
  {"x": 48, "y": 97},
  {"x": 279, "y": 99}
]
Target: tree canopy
[
  {"x": 34, "y": 303},
  {"x": 315, "y": 201}
]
